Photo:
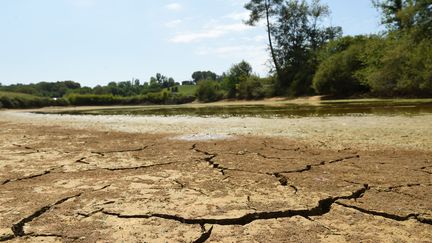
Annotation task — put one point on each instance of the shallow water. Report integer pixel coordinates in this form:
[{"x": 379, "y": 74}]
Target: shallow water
[{"x": 285, "y": 110}]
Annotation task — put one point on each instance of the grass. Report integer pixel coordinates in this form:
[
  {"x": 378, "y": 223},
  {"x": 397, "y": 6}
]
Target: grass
[
  {"x": 17, "y": 95},
  {"x": 187, "y": 90}
]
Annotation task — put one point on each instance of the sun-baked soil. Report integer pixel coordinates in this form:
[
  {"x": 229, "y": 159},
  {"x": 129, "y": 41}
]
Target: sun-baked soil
[{"x": 63, "y": 183}]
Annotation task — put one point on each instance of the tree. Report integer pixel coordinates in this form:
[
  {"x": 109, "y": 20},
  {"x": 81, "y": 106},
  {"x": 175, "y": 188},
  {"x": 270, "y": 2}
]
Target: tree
[
  {"x": 337, "y": 74},
  {"x": 295, "y": 35},
  {"x": 203, "y": 75},
  {"x": 406, "y": 14},
  {"x": 209, "y": 91},
  {"x": 298, "y": 36},
  {"x": 237, "y": 73},
  {"x": 265, "y": 9},
  {"x": 160, "y": 81},
  {"x": 391, "y": 10}
]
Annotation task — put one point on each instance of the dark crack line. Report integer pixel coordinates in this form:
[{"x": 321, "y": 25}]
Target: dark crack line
[
  {"x": 209, "y": 159},
  {"x": 139, "y": 167},
  {"x": 283, "y": 180},
  {"x": 18, "y": 228},
  {"x": 249, "y": 201},
  {"x": 46, "y": 172},
  {"x": 322, "y": 163},
  {"x": 52, "y": 235},
  {"x": 7, "y": 237},
  {"x": 408, "y": 186},
  {"x": 102, "y": 188},
  {"x": 205, "y": 235},
  {"x": 28, "y": 148},
  {"x": 87, "y": 215},
  {"x": 103, "y": 153},
  {"x": 82, "y": 161},
  {"x": 281, "y": 149},
  {"x": 323, "y": 207},
  {"x": 395, "y": 217},
  {"x": 424, "y": 171}
]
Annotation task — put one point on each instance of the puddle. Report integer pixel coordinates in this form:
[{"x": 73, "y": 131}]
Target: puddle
[{"x": 282, "y": 110}]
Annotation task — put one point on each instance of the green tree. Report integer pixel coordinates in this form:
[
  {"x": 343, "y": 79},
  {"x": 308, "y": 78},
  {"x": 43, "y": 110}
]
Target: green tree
[
  {"x": 237, "y": 73},
  {"x": 203, "y": 75},
  {"x": 251, "y": 88},
  {"x": 209, "y": 91},
  {"x": 299, "y": 34},
  {"x": 295, "y": 35},
  {"x": 341, "y": 60},
  {"x": 406, "y": 15},
  {"x": 266, "y": 9}
]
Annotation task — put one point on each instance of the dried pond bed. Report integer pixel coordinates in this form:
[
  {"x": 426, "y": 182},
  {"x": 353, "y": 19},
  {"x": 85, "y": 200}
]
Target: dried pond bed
[{"x": 63, "y": 182}]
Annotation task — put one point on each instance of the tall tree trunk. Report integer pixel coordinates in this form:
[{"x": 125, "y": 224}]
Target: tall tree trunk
[{"x": 273, "y": 54}]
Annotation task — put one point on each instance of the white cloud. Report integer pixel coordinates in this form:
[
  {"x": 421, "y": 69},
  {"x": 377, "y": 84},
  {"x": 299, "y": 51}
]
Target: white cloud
[
  {"x": 257, "y": 38},
  {"x": 174, "y": 6},
  {"x": 256, "y": 55},
  {"x": 173, "y": 23},
  {"x": 238, "y": 15},
  {"x": 212, "y": 31}
]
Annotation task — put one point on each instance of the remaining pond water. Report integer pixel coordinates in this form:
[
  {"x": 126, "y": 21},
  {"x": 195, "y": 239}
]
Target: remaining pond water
[{"x": 322, "y": 109}]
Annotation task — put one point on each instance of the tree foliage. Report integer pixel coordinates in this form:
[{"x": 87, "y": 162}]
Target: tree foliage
[
  {"x": 295, "y": 35},
  {"x": 337, "y": 74},
  {"x": 203, "y": 75},
  {"x": 209, "y": 91}
]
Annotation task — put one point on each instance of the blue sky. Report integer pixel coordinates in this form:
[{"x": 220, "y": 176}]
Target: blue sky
[{"x": 98, "y": 41}]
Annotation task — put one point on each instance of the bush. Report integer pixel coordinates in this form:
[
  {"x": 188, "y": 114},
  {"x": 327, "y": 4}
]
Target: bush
[
  {"x": 399, "y": 66},
  {"x": 150, "y": 98},
  {"x": 251, "y": 88},
  {"x": 209, "y": 91},
  {"x": 337, "y": 75},
  {"x": 13, "y": 100}
]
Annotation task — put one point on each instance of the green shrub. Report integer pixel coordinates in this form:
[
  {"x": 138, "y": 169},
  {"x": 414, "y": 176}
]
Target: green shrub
[
  {"x": 13, "y": 100},
  {"x": 209, "y": 91},
  {"x": 399, "y": 66},
  {"x": 251, "y": 88},
  {"x": 150, "y": 98},
  {"x": 337, "y": 75}
]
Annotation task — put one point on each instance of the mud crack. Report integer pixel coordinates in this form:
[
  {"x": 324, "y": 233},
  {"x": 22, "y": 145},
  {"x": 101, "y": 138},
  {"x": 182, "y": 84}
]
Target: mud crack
[
  {"x": 415, "y": 216},
  {"x": 46, "y": 172},
  {"x": 103, "y": 153},
  {"x": 323, "y": 207},
  {"x": 205, "y": 235},
  {"x": 283, "y": 180},
  {"x": 209, "y": 159},
  {"x": 139, "y": 167},
  {"x": 322, "y": 163},
  {"x": 18, "y": 228}
]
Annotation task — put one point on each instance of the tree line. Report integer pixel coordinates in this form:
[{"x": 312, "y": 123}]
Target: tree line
[{"x": 310, "y": 58}]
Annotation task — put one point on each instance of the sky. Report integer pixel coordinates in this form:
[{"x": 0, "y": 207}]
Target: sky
[{"x": 99, "y": 41}]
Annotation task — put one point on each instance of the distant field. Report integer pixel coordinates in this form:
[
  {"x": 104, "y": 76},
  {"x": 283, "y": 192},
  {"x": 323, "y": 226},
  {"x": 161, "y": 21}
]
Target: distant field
[
  {"x": 188, "y": 90},
  {"x": 17, "y": 95}
]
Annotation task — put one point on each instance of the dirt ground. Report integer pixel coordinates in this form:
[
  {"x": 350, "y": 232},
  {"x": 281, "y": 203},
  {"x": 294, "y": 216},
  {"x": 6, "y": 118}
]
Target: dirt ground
[{"x": 68, "y": 180}]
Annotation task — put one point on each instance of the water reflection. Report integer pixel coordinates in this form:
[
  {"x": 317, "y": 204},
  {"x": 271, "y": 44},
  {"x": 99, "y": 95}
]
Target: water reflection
[{"x": 323, "y": 109}]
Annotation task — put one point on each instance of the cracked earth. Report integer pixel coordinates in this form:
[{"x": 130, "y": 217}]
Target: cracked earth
[{"x": 63, "y": 184}]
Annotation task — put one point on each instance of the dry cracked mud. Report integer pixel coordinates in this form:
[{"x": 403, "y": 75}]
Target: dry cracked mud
[{"x": 63, "y": 184}]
